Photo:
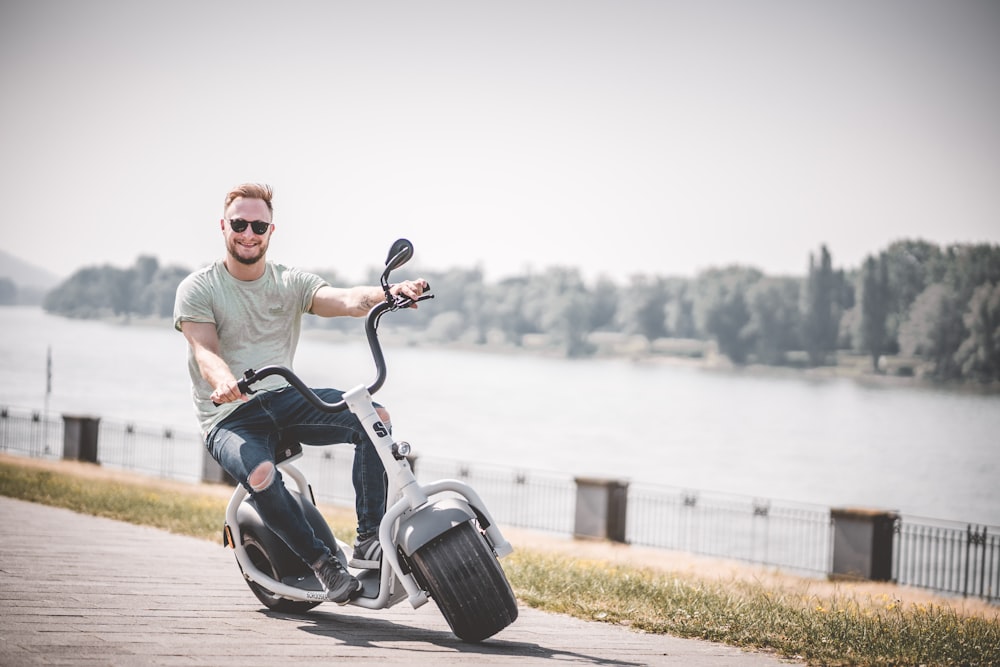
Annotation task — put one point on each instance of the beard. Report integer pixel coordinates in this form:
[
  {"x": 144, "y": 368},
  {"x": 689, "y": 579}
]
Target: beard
[{"x": 233, "y": 249}]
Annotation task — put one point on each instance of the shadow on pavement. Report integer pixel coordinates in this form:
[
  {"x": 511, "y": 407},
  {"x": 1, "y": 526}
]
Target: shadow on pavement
[{"x": 365, "y": 631}]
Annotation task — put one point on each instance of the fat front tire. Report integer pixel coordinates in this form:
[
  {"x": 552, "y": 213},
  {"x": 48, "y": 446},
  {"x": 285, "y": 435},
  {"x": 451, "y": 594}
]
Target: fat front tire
[
  {"x": 260, "y": 559},
  {"x": 465, "y": 579}
]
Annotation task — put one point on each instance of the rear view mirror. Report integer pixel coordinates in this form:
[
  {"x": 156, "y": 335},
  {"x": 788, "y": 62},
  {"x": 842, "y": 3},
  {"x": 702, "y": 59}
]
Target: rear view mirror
[{"x": 399, "y": 254}]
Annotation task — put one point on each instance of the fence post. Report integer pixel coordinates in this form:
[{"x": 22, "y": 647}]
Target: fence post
[
  {"x": 862, "y": 543},
  {"x": 80, "y": 437},
  {"x": 601, "y": 507}
]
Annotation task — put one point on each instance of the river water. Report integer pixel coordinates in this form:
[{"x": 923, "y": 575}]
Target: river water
[{"x": 925, "y": 452}]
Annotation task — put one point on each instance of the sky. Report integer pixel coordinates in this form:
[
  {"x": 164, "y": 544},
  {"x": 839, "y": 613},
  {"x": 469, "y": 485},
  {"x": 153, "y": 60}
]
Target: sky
[{"x": 617, "y": 137}]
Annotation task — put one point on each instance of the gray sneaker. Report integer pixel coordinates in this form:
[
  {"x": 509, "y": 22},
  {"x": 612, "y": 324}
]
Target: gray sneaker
[
  {"x": 338, "y": 583},
  {"x": 367, "y": 553}
]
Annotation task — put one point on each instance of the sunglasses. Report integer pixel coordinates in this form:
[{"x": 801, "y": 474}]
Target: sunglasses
[{"x": 259, "y": 227}]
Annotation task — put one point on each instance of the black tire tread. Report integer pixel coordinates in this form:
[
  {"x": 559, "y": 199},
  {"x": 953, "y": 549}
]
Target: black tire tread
[{"x": 466, "y": 581}]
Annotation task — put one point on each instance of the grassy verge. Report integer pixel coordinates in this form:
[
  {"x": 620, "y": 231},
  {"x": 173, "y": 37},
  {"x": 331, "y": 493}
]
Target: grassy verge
[
  {"x": 827, "y": 631},
  {"x": 753, "y": 615},
  {"x": 179, "y": 508}
]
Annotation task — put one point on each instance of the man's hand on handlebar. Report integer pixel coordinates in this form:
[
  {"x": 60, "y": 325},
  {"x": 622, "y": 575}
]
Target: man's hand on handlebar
[
  {"x": 228, "y": 392},
  {"x": 409, "y": 289}
]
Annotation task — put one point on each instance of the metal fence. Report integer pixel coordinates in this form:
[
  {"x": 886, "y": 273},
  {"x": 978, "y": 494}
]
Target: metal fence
[
  {"x": 149, "y": 449},
  {"x": 791, "y": 536},
  {"x": 942, "y": 556},
  {"x": 30, "y": 433},
  {"x": 948, "y": 557},
  {"x": 152, "y": 450}
]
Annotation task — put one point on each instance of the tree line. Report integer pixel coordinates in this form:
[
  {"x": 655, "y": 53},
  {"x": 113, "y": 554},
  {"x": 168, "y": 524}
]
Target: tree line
[
  {"x": 12, "y": 294},
  {"x": 938, "y": 305},
  {"x": 145, "y": 289}
]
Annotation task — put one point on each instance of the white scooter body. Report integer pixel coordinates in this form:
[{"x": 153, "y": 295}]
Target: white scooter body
[{"x": 410, "y": 522}]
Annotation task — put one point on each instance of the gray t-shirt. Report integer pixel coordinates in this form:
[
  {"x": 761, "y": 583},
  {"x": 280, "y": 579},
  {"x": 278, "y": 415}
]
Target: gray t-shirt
[{"x": 258, "y": 323}]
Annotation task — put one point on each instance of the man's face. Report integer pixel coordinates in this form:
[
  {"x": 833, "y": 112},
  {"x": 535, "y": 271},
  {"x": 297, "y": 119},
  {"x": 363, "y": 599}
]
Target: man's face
[{"x": 247, "y": 247}]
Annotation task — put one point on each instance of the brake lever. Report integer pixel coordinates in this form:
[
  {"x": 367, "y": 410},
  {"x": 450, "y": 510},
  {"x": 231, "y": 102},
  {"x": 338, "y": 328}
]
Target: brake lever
[
  {"x": 405, "y": 302},
  {"x": 244, "y": 383}
]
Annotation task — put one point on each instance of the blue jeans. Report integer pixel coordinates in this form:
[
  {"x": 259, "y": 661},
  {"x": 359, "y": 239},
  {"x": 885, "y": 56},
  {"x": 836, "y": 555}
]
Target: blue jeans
[{"x": 251, "y": 435}]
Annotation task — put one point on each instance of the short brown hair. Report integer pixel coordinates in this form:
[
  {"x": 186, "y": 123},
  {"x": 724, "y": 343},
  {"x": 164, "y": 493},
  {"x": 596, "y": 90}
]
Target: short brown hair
[{"x": 260, "y": 191}]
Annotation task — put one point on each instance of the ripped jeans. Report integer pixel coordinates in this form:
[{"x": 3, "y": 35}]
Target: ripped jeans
[{"x": 250, "y": 436}]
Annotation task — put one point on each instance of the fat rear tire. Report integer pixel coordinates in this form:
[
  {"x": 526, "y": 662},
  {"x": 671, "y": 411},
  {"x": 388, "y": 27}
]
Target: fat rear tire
[
  {"x": 260, "y": 559},
  {"x": 464, "y": 577}
]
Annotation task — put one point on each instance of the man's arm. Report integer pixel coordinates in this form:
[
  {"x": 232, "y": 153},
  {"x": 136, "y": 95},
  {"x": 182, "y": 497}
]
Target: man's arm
[
  {"x": 350, "y": 301},
  {"x": 357, "y": 301},
  {"x": 204, "y": 341}
]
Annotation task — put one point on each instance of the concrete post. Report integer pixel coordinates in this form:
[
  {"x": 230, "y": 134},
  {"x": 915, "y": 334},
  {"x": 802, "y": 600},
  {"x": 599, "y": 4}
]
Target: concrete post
[
  {"x": 601, "y": 508},
  {"x": 862, "y": 543},
  {"x": 80, "y": 438}
]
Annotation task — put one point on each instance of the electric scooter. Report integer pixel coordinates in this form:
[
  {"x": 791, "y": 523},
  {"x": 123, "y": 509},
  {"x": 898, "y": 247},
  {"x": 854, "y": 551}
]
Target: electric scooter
[{"x": 438, "y": 540}]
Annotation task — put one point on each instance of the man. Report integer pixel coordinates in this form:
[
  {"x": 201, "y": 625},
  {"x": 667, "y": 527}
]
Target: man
[{"x": 244, "y": 311}]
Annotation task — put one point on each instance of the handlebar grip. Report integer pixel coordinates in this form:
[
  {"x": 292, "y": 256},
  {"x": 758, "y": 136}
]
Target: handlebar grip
[{"x": 243, "y": 385}]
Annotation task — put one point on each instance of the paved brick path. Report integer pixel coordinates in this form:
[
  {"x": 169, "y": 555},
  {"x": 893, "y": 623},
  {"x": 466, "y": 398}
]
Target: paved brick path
[{"x": 82, "y": 590}]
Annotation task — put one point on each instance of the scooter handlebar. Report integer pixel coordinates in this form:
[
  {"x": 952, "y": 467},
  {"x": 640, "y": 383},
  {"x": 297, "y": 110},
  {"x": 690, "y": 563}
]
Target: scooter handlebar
[{"x": 252, "y": 376}]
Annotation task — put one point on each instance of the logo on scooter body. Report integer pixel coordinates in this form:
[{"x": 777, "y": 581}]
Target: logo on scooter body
[
  {"x": 380, "y": 429},
  {"x": 315, "y": 595}
]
